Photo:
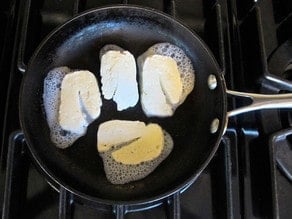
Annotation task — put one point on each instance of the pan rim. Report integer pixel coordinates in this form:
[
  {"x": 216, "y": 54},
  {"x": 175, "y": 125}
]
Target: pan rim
[{"x": 176, "y": 189}]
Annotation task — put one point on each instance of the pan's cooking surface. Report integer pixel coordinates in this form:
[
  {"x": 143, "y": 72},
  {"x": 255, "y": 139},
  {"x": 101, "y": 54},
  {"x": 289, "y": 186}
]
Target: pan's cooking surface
[
  {"x": 242, "y": 180},
  {"x": 77, "y": 45}
]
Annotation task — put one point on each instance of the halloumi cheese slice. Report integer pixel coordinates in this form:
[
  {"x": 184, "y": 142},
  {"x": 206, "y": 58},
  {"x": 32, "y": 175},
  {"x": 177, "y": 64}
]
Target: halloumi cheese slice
[
  {"x": 132, "y": 150},
  {"x": 169, "y": 76},
  {"x": 176, "y": 77},
  {"x": 147, "y": 147},
  {"x": 118, "y": 76},
  {"x": 110, "y": 65},
  {"x": 153, "y": 99},
  {"x": 80, "y": 101},
  {"x": 115, "y": 132}
]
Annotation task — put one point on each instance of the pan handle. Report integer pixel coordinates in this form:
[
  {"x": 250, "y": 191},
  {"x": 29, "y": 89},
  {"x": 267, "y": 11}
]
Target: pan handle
[{"x": 261, "y": 101}]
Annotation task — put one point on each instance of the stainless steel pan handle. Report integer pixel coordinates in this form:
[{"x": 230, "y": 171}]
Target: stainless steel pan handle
[{"x": 261, "y": 101}]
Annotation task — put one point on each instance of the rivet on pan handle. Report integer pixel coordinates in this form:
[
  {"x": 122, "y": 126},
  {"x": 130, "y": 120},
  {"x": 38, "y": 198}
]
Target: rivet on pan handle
[{"x": 261, "y": 101}]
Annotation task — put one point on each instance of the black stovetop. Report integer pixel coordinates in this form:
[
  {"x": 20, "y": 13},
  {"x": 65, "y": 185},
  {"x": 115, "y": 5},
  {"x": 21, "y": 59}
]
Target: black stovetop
[{"x": 250, "y": 175}]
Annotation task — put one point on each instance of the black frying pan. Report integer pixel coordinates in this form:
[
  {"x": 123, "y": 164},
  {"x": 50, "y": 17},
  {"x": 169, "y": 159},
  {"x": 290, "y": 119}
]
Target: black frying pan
[{"x": 196, "y": 127}]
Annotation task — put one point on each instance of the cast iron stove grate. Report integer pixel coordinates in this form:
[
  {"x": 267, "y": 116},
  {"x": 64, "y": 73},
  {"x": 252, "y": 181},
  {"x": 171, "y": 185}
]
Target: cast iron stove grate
[{"x": 242, "y": 180}]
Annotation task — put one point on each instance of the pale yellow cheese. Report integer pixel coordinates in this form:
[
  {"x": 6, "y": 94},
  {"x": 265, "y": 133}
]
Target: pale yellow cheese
[
  {"x": 170, "y": 79},
  {"x": 146, "y": 148},
  {"x": 115, "y": 132}
]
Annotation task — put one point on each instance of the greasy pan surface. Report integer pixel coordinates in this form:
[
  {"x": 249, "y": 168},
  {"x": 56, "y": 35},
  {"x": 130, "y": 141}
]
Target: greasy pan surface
[{"x": 76, "y": 44}]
